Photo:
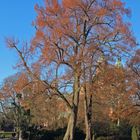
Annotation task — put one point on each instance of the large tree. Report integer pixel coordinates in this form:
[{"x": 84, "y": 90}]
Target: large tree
[{"x": 71, "y": 36}]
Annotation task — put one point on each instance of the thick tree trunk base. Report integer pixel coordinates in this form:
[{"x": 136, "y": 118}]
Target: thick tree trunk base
[
  {"x": 69, "y": 135},
  {"x": 88, "y": 130}
]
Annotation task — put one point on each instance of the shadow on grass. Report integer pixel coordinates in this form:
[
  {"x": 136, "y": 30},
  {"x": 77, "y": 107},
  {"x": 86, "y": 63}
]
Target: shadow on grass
[{"x": 57, "y": 134}]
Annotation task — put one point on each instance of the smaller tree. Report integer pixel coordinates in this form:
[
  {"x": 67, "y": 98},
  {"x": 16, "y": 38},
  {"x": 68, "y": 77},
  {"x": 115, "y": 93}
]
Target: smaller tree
[{"x": 13, "y": 99}]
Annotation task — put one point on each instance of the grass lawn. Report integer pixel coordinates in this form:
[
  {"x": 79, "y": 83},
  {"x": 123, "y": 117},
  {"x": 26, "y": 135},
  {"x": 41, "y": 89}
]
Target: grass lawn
[{"x": 6, "y": 134}]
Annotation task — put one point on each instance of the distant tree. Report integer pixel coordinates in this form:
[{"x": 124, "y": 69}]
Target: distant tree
[
  {"x": 134, "y": 85},
  {"x": 134, "y": 66},
  {"x": 12, "y": 98}
]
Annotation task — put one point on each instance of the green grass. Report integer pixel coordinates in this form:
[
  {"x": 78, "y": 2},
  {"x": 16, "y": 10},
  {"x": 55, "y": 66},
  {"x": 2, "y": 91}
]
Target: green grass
[{"x": 6, "y": 134}]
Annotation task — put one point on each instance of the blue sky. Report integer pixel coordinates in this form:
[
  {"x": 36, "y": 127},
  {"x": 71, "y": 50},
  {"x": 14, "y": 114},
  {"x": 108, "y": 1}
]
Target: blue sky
[{"x": 16, "y": 17}]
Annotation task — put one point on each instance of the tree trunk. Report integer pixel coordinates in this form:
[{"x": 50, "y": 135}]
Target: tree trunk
[
  {"x": 88, "y": 129},
  {"x": 118, "y": 122},
  {"x": 69, "y": 135},
  {"x": 20, "y": 135},
  {"x": 88, "y": 113},
  {"x": 88, "y": 117}
]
